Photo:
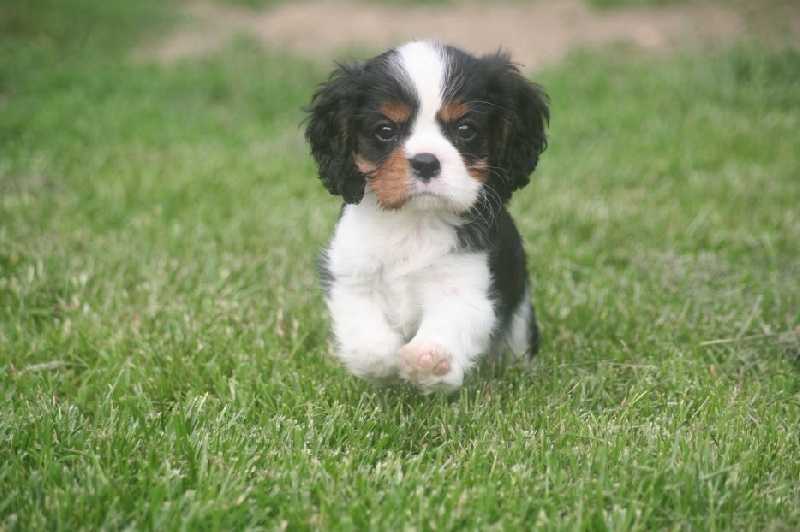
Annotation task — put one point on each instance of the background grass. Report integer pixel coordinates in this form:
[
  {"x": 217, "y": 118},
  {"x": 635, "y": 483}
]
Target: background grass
[{"x": 163, "y": 344}]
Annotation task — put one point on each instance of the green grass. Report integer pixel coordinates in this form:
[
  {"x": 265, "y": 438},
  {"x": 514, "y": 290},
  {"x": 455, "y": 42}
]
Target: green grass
[{"x": 164, "y": 348}]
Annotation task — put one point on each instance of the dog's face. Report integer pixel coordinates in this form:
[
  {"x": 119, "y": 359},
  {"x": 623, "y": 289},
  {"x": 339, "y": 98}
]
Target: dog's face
[{"x": 427, "y": 125}]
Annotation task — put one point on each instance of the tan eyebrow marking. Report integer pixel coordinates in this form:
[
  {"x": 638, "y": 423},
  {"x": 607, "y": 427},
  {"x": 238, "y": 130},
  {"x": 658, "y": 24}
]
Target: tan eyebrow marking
[
  {"x": 452, "y": 111},
  {"x": 397, "y": 112}
]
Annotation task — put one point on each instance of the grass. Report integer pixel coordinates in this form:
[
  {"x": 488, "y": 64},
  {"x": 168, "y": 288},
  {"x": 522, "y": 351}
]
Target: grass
[{"x": 163, "y": 345}]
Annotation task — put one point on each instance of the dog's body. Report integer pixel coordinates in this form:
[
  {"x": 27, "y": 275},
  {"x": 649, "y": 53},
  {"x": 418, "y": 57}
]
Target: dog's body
[{"x": 426, "y": 271}]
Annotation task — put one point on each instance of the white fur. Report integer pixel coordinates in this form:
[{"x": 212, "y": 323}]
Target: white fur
[
  {"x": 424, "y": 65},
  {"x": 401, "y": 284}
]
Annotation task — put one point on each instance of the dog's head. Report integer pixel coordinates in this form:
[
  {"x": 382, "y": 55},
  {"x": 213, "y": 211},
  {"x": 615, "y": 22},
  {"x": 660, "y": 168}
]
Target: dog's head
[{"x": 427, "y": 124}]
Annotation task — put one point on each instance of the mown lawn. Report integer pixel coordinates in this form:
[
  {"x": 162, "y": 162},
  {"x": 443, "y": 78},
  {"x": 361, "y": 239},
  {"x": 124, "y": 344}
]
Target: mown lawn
[{"x": 163, "y": 343}]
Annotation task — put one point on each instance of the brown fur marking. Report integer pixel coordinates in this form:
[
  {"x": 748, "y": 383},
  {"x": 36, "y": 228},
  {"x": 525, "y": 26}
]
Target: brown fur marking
[
  {"x": 397, "y": 112},
  {"x": 364, "y": 166},
  {"x": 452, "y": 111},
  {"x": 477, "y": 169},
  {"x": 391, "y": 181}
]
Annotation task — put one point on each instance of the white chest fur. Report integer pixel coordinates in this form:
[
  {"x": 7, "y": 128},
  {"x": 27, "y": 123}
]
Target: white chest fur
[{"x": 392, "y": 257}]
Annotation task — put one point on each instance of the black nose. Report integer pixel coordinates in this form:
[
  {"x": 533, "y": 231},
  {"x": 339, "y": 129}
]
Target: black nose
[{"x": 425, "y": 165}]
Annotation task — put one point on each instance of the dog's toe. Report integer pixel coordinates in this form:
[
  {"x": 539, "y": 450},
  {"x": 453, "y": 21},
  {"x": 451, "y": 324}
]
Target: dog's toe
[
  {"x": 429, "y": 366},
  {"x": 425, "y": 361},
  {"x": 442, "y": 368}
]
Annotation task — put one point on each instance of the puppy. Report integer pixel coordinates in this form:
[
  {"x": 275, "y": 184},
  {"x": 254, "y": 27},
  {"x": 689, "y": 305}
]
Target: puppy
[{"x": 425, "y": 271}]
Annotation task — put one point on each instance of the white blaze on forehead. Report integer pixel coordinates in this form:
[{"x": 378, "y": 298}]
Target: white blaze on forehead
[{"x": 425, "y": 65}]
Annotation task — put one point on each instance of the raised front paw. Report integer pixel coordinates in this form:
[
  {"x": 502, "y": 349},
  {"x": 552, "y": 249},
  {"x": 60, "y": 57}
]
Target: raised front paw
[{"x": 430, "y": 366}]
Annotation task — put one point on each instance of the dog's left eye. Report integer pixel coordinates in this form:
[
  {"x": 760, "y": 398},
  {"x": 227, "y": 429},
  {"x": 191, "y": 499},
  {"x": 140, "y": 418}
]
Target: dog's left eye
[
  {"x": 386, "y": 132},
  {"x": 466, "y": 131}
]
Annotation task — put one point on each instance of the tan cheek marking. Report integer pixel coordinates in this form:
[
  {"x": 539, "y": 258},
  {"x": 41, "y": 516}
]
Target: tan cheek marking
[
  {"x": 364, "y": 166},
  {"x": 391, "y": 182},
  {"x": 477, "y": 169},
  {"x": 452, "y": 111},
  {"x": 397, "y": 112}
]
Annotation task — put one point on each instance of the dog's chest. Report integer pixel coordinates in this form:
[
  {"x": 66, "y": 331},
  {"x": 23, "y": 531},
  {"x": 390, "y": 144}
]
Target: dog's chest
[{"x": 398, "y": 262}]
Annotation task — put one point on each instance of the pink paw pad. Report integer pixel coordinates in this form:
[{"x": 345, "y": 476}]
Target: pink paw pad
[
  {"x": 425, "y": 363},
  {"x": 442, "y": 368},
  {"x": 425, "y": 360}
]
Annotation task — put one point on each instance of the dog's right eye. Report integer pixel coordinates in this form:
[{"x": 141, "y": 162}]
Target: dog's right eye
[
  {"x": 386, "y": 132},
  {"x": 467, "y": 130}
]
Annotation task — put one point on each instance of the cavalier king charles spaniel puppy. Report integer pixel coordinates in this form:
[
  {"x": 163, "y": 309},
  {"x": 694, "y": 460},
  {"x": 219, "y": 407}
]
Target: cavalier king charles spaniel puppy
[{"x": 425, "y": 272}]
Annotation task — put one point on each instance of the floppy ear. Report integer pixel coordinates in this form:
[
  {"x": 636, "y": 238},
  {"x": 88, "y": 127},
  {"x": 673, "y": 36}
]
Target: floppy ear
[
  {"x": 328, "y": 131},
  {"x": 525, "y": 117}
]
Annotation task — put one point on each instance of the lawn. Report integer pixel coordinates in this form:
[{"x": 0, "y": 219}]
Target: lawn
[{"x": 164, "y": 353}]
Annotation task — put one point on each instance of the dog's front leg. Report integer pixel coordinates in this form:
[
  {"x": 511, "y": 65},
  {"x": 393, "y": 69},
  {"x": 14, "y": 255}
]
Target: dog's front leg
[
  {"x": 366, "y": 343},
  {"x": 456, "y": 328}
]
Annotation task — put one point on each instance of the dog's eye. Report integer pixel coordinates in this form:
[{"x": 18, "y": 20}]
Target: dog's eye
[
  {"x": 466, "y": 131},
  {"x": 386, "y": 132}
]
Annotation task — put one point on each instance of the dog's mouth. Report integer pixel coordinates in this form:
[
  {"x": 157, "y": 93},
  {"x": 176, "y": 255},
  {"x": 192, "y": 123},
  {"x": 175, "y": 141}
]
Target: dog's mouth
[{"x": 427, "y": 199}]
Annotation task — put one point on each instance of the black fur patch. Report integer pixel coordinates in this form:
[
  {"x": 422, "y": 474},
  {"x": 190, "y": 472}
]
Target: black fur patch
[{"x": 492, "y": 230}]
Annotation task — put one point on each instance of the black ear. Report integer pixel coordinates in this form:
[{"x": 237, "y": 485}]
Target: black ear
[
  {"x": 329, "y": 132},
  {"x": 522, "y": 128}
]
